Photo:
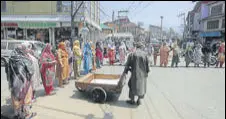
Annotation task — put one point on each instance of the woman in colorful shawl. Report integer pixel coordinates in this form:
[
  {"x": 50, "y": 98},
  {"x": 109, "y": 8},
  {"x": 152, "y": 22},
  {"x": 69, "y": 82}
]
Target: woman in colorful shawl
[
  {"x": 70, "y": 56},
  {"x": 19, "y": 72},
  {"x": 48, "y": 62},
  {"x": 93, "y": 57},
  {"x": 77, "y": 58},
  {"x": 175, "y": 59},
  {"x": 102, "y": 49},
  {"x": 36, "y": 77},
  {"x": 111, "y": 55},
  {"x": 62, "y": 64},
  {"x": 188, "y": 52},
  {"x": 86, "y": 58},
  {"x": 122, "y": 53},
  {"x": 99, "y": 55},
  {"x": 197, "y": 55},
  {"x": 221, "y": 55},
  {"x": 164, "y": 53}
]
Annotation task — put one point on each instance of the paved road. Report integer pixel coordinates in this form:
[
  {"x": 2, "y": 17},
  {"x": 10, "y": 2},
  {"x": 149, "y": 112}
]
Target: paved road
[{"x": 173, "y": 93}]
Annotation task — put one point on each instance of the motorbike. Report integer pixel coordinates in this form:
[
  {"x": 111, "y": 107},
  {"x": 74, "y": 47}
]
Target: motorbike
[{"x": 213, "y": 58}]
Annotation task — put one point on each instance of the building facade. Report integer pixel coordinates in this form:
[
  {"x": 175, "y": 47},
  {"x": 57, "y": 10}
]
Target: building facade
[
  {"x": 213, "y": 21},
  {"x": 155, "y": 32},
  {"x": 51, "y": 19}
]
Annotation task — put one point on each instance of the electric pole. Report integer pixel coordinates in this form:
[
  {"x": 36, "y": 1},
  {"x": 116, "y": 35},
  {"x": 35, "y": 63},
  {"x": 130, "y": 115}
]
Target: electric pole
[
  {"x": 180, "y": 15},
  {"x": 73, "y": 14},
  {"x": 161, "y": 27}
]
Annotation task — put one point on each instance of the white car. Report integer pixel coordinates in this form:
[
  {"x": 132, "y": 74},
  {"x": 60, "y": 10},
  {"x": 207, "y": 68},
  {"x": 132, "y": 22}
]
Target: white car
[{"x": 7, "y": 46}]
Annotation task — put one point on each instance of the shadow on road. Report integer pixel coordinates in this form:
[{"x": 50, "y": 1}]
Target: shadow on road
[
  {"x": 40, "y": 93},
  {"x": 112, "y": 99},
  {"x": 89, "y": 116}
]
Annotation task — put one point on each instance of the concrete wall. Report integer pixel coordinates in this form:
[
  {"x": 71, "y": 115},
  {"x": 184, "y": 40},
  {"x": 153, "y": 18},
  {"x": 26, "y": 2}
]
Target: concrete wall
[{"x": 30, "y": 8}]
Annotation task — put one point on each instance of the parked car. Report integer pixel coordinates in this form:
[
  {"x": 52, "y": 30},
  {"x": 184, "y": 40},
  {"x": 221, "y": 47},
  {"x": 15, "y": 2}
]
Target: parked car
[{"x": 7, "y": 46}]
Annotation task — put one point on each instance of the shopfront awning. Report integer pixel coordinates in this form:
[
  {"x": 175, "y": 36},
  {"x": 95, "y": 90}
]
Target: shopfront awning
[
  {"x": 33, "y": 22},
  {"x": 17, "y": 18},
  {"x": 210, "y": 34}
]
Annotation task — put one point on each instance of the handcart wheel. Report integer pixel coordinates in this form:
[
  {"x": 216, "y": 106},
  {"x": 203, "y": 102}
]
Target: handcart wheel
[{"x": 99, "y": 95}]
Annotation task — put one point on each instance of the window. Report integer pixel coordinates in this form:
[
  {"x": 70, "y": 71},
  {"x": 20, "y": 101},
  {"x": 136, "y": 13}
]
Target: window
[
  {"x": 3, "y": 6},
  {"x": 223, "y": 23},
  {"x": 59, "y": 6},
  {"x": 12, "y": 46},
  {"x": 216, "y": 10},
  {"x": 213, "y": 24},
  {"x": 3, "y": 45}
]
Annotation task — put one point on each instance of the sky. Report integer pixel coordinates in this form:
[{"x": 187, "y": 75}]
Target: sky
[{"x": 149, "y": 12}]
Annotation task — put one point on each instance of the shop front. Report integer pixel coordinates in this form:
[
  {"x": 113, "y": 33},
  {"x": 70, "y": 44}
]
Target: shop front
[
  {"x": 38, "y": 30},
  {"x": 43, "y": 31},
  {"x": 9, "y": 30}
]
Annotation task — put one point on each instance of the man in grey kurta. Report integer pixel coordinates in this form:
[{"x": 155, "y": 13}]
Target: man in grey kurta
[{"x": 137, "y": 64}]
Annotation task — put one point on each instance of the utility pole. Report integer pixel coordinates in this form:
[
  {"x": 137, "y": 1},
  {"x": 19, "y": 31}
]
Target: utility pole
[
  {"x": 72, "y": 20},
  {"x": 180, "y": 15},
  {"x": 161, "y": 27}
]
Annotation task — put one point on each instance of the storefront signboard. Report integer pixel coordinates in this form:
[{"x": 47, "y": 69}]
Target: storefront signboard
[
  {"x": 37, "y": 24},
  {"x": 9, "y": 24}
]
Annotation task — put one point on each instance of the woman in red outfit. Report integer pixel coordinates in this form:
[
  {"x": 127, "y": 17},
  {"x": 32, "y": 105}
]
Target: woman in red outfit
[
  {"x": 48, "y": 62},
  {"x": 111, "y": 56}
]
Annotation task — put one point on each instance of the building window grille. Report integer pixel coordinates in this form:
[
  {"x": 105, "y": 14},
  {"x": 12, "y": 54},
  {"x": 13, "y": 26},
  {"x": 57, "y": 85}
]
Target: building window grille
[
  {"x": 213, "y": 24},
  {"x": 216, "y": 10}
]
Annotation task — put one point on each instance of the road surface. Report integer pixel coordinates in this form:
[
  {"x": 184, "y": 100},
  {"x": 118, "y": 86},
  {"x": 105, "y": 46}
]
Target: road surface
[{"x": 172, "y": 93}]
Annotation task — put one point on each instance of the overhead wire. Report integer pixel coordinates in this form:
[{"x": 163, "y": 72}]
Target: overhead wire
[{"x": 142, "y": 9}]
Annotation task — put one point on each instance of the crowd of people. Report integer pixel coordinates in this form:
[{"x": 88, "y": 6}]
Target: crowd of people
[
  {"x": 195, "y": 52},
  {"x": 26, "y": 71}
]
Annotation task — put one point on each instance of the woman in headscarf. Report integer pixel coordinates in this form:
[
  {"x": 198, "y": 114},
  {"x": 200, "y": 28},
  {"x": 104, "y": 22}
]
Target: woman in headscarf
[
  {"x": 19, "y": 72},
  {"x": 99, "y": 55},
  {"x": 62, "y": 64},
  {"x": 221, "y": 55},
  {"x": 105, "y": 52},
  {"x": 164, "y": 53},
  {"x": 70, "y": 56},
  {"x": 93, "y": 57},
  {"x": 48, "y": 62},
  {"x": 77, "y": 58},
  {"x": 111, "y": 55},
  {"x": 122, "y": 53},
  {"x": 102, "y": 49},
  {"x": 197, "y": 55},
  {"x": 188, "y": 52},
  {"x": 86, "y": 57},
  {"x": 175, "y": 59},
  {"x": 36, "y": 77}
]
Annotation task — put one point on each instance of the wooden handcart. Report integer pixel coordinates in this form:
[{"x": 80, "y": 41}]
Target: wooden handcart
[{"x": 100, "y": 85}]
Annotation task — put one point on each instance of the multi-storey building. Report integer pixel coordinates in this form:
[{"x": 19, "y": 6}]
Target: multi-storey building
[
  {"x": 214, "y": 22},
  {"x": 155, "y": 32},
  {"x": 24, "y": 19}
]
